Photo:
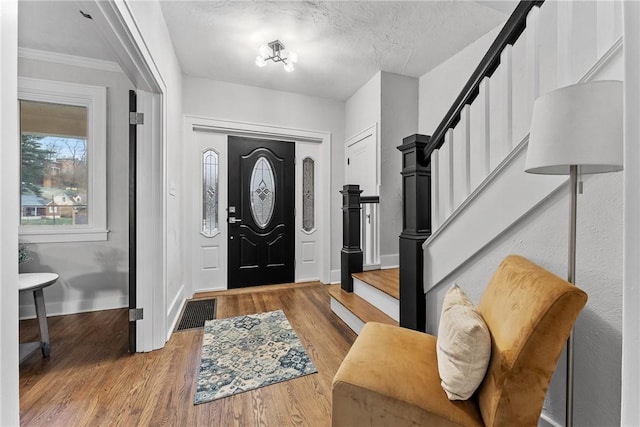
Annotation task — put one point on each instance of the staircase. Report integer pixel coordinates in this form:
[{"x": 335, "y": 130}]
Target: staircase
[{"x": 375, "y": 298}]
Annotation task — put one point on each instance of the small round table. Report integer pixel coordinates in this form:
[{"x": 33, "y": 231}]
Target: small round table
[{"x": 36, "y": 282}]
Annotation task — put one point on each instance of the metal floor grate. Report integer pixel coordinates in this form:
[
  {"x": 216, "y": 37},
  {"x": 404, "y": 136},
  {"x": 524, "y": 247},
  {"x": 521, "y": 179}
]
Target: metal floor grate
[{"x": 196, "y": 312}]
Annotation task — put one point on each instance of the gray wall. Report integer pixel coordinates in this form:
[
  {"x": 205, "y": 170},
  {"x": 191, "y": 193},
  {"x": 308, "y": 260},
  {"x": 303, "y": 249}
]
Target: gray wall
[
  {"x": 399, "y": 119},
  {"x": 93, "y": 275}
]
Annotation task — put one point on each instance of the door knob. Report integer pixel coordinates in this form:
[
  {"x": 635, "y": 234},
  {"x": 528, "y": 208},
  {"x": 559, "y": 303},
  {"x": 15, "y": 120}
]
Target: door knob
[{"x": 233, "y": 220}]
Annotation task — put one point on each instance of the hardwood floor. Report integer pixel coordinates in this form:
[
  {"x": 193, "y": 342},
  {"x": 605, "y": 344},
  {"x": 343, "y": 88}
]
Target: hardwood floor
[{"x": 91, "y": 380}]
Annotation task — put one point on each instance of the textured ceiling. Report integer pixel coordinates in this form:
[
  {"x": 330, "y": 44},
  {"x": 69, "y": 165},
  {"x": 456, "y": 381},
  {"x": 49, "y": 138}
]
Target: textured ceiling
[{"x": 340, "y": 44}]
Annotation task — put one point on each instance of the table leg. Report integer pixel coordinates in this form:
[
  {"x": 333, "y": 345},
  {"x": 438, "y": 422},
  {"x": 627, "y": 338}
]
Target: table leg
[{"x": 38, "y": 296}]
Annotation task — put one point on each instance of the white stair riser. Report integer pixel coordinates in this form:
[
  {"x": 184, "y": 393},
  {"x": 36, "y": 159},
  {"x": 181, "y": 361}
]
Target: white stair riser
[
  {"x": 383, "y": 302},
  {"x": 347, "y": 316}
]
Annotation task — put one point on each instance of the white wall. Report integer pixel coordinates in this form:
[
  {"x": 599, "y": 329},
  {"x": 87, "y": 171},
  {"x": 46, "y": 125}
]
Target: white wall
[
  {"x": 399, "y": 120},
  {"x": 93, "y": 275},
  {"x": 631, "y": 277},
  {"x": 9, "y": 182},
  {"x": 151, "y": 24},
  {"x": 364, "y": 107},
  {"x": 227, "y": 101},
  {"x": 440, "y": 86}
]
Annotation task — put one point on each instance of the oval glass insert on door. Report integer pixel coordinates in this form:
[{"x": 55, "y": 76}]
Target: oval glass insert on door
[{"x": 263, "y": 192}]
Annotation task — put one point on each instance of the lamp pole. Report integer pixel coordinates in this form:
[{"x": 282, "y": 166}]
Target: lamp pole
[{"x": 573, "y": 184}]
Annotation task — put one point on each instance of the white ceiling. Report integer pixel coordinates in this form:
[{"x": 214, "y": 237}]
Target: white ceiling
[
  {"x": 58, "y": 26},
  {"x": 340, "y": 44}
]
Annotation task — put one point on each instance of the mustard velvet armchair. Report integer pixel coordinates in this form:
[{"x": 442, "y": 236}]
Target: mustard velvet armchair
[{"x": 390, "y": 375}]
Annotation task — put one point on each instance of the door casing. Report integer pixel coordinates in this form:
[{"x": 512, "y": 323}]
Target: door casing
[{"x": 313, "y": 144}]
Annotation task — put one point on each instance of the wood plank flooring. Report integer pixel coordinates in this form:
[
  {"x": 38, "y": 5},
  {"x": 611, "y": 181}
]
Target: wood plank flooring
[
  {"x": 91, "y": 380},
  {"x": 388, "y": 281}
]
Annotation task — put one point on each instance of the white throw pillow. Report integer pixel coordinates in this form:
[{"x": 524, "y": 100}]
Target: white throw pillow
[{"x": 463, "y": 345}]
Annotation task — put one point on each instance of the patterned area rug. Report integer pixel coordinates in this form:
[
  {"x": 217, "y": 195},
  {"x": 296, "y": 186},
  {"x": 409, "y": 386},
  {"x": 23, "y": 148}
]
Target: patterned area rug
[{"x": 248, "y": 352}]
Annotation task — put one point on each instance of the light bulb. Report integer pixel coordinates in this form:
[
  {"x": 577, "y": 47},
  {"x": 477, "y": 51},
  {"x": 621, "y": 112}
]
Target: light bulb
[
  {"x": 260, "y": 62},
  {"x": 265, "y": 52},
  {"x": 289, "y": 67},
  {"x": 293, "y": 57}
]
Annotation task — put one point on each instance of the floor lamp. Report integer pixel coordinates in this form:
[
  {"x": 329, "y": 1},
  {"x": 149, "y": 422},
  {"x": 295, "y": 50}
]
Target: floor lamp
[{"x": 576, "y": 130}]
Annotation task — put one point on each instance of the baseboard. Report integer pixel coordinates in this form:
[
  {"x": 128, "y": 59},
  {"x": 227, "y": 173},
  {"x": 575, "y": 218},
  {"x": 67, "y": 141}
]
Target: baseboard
[
  {"x": 546, "y": 421},
  {"x": 173, "y": 313},
  {"x": 335, "y": 277},
  {"x": 389, "y": 261},
  {"x": 60, "y": 308}
]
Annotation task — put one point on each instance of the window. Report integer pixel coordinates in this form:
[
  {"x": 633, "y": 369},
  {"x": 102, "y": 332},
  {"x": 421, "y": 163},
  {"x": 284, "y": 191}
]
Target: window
[
  {"x": 209, "y": 193},
  {"x": 63, "y": 161},
  {"x": 308, "y": 195},
  {"x": 262, "y": 192}
]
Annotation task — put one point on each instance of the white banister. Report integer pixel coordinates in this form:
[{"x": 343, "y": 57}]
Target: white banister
[
  {"x": 460, "y": 156},
  {"x": 369, "y": 233},
  {"x": 506, "y": 98},
  {"x": 554, "y": 50},
  {"x": 480, "y": 138},
  {"x": 609, "y": 16},
  {"x": 533, "y": 53},
  {"x": 435, "y": 190}
]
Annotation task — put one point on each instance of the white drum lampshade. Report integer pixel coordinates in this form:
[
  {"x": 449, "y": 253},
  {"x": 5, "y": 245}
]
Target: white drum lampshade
[{"x": 577, "y": 125}]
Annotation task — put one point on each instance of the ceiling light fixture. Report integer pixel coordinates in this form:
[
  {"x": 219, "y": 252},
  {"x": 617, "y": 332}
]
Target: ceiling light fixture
[{"x": 273, "y": 51}]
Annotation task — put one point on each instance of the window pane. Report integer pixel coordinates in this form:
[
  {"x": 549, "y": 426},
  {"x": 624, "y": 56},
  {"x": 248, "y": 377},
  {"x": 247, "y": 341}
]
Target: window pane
[
  {"x": 209, "y": 193},
  {"x": 308, "y": 195},
  {"x": 53, "y": 173},
  {"x": 263, "y": 192}
]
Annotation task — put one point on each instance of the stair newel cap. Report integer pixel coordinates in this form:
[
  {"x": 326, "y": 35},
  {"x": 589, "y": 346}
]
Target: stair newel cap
[
  {"x": 351, "y": 188},
  {"x": 413, "y": 154},
  {"x": 415, "y": 140}
]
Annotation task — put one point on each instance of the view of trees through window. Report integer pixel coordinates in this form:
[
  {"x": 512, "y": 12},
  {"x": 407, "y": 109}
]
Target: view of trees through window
[{"x": 54, "y": 176}]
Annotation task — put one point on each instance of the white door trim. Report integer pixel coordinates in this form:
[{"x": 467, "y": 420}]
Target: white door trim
[
  {"x": 9, "y": 221},
  {"x": 117, "y": 25},
  {"x": 198, "y": 123}
]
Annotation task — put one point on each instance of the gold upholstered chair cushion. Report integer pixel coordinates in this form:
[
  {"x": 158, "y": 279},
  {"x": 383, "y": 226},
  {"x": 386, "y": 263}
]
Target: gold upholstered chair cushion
[{"x": 390, "y": 375}]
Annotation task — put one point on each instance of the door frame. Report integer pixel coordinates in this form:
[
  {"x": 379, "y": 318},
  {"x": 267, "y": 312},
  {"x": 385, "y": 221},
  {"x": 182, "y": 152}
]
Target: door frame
[
  {"x": 117, "y": 26},
  {"x": 194, "y": 124}
]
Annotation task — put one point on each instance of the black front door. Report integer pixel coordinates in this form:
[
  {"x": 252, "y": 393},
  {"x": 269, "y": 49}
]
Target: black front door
[{"x": 261, "y": 212}]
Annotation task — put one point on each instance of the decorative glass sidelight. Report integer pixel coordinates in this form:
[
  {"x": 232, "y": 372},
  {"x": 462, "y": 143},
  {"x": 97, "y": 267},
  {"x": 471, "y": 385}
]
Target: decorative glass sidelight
[
  {"x": 262, "y": 189},
  {"x": 209, "y": 193},
  {"x": 308, "y": 195}
]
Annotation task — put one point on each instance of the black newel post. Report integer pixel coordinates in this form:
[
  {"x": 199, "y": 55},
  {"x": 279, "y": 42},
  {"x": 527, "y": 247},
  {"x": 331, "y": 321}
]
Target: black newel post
[
  {"x": 351, "y": 254},
  {"x": 416, "y": 228}
]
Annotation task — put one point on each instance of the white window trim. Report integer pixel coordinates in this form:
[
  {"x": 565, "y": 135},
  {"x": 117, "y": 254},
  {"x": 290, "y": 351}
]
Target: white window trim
[{"x": 94, "y": 99}]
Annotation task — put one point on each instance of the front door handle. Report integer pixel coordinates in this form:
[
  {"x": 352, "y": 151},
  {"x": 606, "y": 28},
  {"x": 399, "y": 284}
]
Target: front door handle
[{"x": 233, "y": 220}]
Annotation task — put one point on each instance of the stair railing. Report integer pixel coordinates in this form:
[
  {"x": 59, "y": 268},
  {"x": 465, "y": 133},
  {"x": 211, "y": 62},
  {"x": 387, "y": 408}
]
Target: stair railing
[{"x": 417, "y": 151}]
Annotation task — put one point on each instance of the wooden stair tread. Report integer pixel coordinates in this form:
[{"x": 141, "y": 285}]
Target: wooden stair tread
[
  {"x": 359, "y": 307},
  {"x": 388, "y": 281}
]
